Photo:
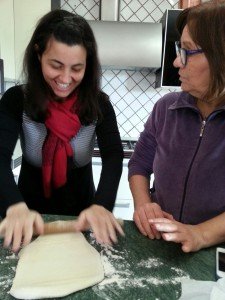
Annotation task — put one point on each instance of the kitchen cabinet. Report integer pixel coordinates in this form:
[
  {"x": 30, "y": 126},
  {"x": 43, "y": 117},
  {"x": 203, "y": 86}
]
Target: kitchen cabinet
[{"x": 124, "y": 202}]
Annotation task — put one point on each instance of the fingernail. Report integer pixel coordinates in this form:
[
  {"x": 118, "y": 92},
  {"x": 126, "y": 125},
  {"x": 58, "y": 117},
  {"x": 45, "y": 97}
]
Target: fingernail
[
  {"x": 167, "y": 236},
  {"x": 158, "y": 226}
]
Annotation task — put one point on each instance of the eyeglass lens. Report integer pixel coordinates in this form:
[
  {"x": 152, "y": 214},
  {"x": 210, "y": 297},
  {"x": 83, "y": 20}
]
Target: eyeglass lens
[{"x": 181, "y": 52}]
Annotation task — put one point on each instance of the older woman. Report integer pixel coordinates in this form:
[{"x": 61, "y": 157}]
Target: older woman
[{"x": 183, "y": 143}]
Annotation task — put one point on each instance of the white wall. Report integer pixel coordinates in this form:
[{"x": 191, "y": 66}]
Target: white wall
[
  {"x": 26, "y": 15},
  {"x": 17, "y": 21},
  {"x": 7, "y": 37}
]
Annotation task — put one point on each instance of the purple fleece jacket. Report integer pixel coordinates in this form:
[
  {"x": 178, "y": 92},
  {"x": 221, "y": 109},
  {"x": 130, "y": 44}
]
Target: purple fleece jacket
[{"x": 186, "y": 154}]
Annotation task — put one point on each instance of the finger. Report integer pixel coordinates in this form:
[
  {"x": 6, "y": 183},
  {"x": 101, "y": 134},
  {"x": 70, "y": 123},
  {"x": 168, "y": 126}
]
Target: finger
[
  {"x": 101, "y": 236},
  {"x": 8, "y": 237},
  {"x": 97, "y": 230},
  {"x": 118, "y": 226},
  {"x": 111, "y": 231},
  {"x": 81, "y": 224},
  {"x": 145, "y": 224},
  {"x": 27, "y": 236},
  {"x": 17, "y": 237},
  {"x": 186, "y": 247},
  {"x": 175, "y": 237},
  {"x": 106, "y": 231},
  {"x": 2, "y": 228},
  {"x": 155, "y": 232},
  {"x": 159, "y": 220},
  {"x": 170, "y": 237},
  {"x": 138, "y": 223},
  {"x": 157, "y": 212},
  {"x": 166, "y": 227},
  {"x": 39, "y": 224},
  {"x": 27, "y": 232}
]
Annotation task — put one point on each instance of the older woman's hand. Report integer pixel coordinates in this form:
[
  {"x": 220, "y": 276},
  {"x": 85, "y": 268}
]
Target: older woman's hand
[
  {"x": 102, "y": 222},
  {"x": 190, "y": 236},
  {"x": 149, "y": 210},
  {"x": 19, "y": 224}
]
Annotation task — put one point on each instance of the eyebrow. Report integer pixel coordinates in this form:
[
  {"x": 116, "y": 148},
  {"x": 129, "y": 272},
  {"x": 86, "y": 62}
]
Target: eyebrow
[
  {"x": 59, "y": 62},
  {"x": 186, "y": 44},
  {"x": 190, "y": 45}
]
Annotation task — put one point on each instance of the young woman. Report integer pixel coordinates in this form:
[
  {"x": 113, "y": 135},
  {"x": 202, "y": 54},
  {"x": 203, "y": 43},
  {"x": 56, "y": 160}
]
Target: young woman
[{"x": 58, "y": 114}]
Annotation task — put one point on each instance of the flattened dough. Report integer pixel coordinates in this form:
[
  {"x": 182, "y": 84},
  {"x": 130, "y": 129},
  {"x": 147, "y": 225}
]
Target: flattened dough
[{"x": 56, "y": 265}]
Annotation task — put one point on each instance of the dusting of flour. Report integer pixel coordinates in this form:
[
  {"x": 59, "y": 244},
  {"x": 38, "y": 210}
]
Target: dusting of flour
[
  {"x": 6, "y": 280},
  {"x": 118, "y": 271}
]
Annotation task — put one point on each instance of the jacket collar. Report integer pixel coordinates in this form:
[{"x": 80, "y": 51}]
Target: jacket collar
[{"x": 185, "y": 100}]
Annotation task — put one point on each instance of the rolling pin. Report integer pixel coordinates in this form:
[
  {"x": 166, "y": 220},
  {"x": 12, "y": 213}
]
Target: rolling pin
[
  {"x": 60, "y": 227},
  {"x": 64, "y": 226}
]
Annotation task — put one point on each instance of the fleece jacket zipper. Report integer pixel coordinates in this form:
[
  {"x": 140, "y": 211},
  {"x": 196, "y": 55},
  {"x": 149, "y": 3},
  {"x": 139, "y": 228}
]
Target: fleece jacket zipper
[{"x": 189, "y": 170}]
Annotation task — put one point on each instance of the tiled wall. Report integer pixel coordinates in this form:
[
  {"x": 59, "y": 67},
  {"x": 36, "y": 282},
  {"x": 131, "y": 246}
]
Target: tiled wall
[{"x": 132, "y": 93}]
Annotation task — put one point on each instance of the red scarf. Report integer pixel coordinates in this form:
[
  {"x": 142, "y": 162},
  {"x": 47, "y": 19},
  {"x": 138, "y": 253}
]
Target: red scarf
[{"x": 62, "y": 125}]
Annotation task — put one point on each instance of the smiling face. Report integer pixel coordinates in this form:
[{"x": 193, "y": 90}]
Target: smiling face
[
  {"x": 63, "y": 67},
  {"x": 195, "y": 76}
]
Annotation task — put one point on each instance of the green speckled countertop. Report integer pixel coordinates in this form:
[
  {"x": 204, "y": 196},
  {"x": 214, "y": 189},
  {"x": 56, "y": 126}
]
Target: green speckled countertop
[{"x": 135, "y": 268}]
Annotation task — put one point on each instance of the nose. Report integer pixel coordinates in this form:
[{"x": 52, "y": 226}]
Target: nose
[
  {"x": 177, "y": 62},
  {"x": 65, "y": 76}
]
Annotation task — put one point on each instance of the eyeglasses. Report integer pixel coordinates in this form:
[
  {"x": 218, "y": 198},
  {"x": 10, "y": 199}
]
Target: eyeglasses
[{"x": 184, "y": 53}]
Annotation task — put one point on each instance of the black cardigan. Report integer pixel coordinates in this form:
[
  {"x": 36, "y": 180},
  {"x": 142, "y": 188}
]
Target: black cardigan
[{"x": 79, "y": 191}]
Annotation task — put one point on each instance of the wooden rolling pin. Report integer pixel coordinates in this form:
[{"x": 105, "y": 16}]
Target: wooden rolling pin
[
  {"x": 64, "y": 226},
  {"x": 54, "y": 227},
  {"x": 61, "y": 227}
]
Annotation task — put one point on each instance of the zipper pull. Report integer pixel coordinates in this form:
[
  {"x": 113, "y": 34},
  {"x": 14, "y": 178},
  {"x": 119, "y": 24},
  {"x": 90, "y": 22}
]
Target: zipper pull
[{"x": 202, "y": 128}]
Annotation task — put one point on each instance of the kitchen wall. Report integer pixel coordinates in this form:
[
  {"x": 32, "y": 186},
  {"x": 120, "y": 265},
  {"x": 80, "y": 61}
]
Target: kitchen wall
[
  {"x": 7, "y": 37},
  {"x": 132, "y": 92},
  {"x": 17, "y": 22}
]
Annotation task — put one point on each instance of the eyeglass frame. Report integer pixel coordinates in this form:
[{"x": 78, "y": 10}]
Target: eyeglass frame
[{"x": 184, "y": 53}]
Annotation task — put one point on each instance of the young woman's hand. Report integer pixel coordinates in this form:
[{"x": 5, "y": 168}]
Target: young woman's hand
[
  {"x": 19, "y": 224},
  {"x": 146, "y": 211},
  {"x": 102, "y": 222},
  {"x": 190, "y": 236}
]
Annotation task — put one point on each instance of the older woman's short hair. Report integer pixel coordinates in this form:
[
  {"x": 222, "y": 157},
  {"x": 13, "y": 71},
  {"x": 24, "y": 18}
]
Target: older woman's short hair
[{"x": 206, "y": 25}]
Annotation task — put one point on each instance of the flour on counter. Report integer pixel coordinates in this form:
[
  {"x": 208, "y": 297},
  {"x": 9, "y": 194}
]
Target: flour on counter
[
  {"x": 6, "y": 280},
  {"x": 6, "y": 283},
  {"x": 151, "y": 262},
  {"x": 12, "y": 256},
  {"x": 5, "y": 259},
  {"x": 118, "y": 271}
]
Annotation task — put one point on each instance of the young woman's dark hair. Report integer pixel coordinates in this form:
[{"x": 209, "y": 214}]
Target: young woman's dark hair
[
  {"x": 70, "y": 29},
  {"x": 211, "y": 39}
]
